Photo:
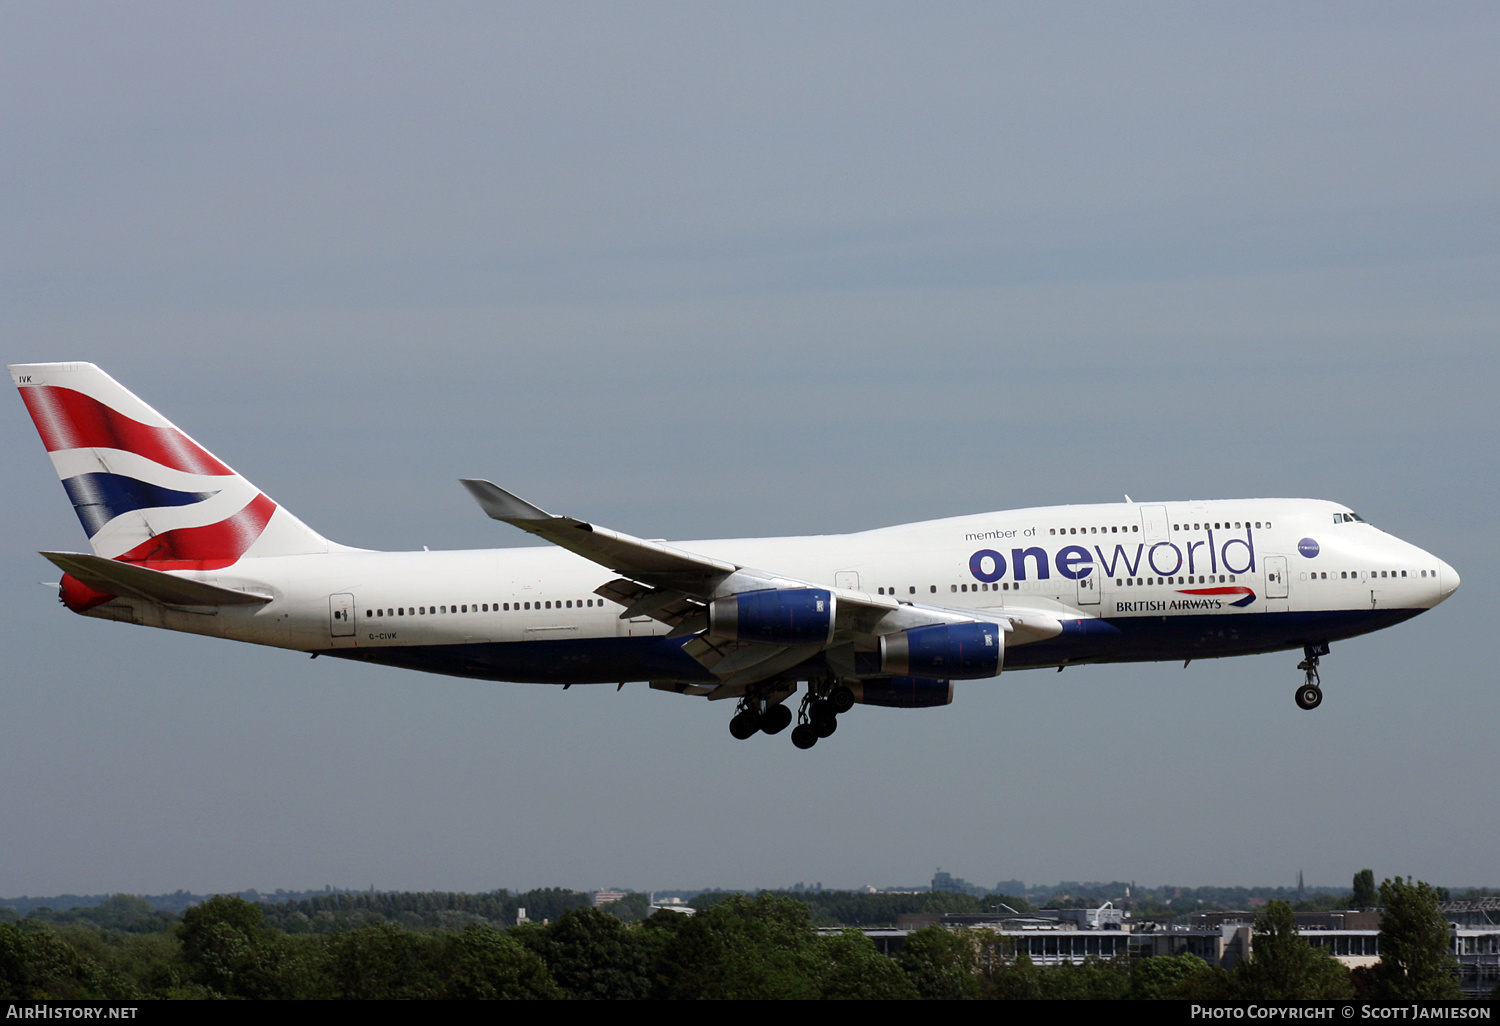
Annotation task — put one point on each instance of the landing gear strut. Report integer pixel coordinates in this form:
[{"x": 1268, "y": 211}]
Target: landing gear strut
[
  {"x": 1310, "y": 693},
  {"x": 819, "y": 715}
]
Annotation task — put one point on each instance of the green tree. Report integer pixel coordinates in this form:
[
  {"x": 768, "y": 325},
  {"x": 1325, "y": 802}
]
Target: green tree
[
  {"x": 1416, "y": 945},
  {"x": 228, "y": 950},
  {"x": 632, "y": 908},
  {"x": 36, "y": 965},
  {"x": 1007, "y": 977},
  {"x": 941, "y": 963},
  {"x": 382, "y": 962},
  {"x": 592, "y": 954},
  {"x": 1162, "y": 977},
  {"x": 1364, "y": 895},
  {"x": 482, "y": 963},
  {"x": 854, "y": 970},
  {"x": 1092, "y": 980},
  {"x": 1284, "y": 967},
  {"x": 739, "y": 949}
]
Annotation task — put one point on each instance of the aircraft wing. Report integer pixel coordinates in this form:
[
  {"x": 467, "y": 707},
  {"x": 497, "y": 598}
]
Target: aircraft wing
[
  {"x": 682, "y": 589},
  {"x": 640, "y": 560}
]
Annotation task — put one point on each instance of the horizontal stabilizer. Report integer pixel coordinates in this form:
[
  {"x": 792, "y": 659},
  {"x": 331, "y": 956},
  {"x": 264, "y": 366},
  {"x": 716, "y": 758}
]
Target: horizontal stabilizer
[{"x": 116, "y": 578}]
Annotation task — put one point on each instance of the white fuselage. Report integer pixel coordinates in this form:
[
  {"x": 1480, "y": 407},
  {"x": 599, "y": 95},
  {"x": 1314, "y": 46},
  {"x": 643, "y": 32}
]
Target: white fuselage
[{"x": 1172, "y": 580}]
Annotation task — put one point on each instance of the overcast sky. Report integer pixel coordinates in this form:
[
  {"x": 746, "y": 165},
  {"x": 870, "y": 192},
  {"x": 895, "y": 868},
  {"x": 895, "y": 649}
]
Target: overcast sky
[{"x": 696, "y": 270}]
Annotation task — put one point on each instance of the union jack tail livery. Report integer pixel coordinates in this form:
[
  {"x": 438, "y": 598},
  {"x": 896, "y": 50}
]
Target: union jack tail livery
[{"x": 143, "y": 490}]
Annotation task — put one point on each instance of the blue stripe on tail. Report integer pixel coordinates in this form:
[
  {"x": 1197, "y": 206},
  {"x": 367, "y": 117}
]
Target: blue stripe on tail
[{"x": 99, "y": 498}]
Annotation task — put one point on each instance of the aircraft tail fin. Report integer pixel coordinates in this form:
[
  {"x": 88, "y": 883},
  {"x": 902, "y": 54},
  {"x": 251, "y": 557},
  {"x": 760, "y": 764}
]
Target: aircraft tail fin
[{"x": 143, "y": 490}]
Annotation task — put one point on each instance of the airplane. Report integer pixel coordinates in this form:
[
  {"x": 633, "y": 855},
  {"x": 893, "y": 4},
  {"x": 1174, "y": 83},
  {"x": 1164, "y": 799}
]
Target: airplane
[{"x": 888, "y": 617}]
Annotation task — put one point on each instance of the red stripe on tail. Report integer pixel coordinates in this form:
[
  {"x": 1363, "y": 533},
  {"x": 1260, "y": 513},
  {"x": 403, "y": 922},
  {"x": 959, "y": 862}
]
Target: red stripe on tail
[
  {"x": 211, "y": 547},
  {"x": 67, "y": 419}
]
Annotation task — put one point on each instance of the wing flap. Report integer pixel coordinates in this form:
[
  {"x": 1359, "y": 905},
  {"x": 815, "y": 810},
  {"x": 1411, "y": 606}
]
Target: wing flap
[{"x": 667, "y": 605}]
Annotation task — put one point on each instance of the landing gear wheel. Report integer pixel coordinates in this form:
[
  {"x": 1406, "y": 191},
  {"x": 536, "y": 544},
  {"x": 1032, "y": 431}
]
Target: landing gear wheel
[
  {"x": 1309, "y": 696},
  {"x": 841, "y": 699},
  {"x": 776, "y": 719},
  {"x": 744, "y": 725},
  {"x": 804, "y": 735},
  {"x": 822, "y": 717}
]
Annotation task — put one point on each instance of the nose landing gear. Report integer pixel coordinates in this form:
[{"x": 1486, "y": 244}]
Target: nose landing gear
[{"x": 1310, "y": 692}]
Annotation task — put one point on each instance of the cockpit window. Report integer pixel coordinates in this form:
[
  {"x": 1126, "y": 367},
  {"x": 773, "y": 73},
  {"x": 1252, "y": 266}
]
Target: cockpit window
[{"x": 1348, "y": 518}]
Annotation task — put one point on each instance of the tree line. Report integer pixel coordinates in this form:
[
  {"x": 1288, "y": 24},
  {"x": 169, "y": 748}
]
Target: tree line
[{"x": 762, "y": 947}]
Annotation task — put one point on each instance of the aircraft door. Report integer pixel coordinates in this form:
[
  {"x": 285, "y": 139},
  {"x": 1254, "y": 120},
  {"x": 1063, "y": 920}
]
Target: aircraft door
[
  {"x": 1088, "y": 589},
  {"x": 846, "y": 579},
  {"x": 1154, "y": 524},
  {"x": 1276, "y": 583},
  {"x": 341, "y": 616}
]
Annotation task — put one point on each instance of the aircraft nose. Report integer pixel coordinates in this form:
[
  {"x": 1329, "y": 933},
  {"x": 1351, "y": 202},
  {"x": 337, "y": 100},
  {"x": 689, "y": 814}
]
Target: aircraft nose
[{"x": 1448, "y": 581}]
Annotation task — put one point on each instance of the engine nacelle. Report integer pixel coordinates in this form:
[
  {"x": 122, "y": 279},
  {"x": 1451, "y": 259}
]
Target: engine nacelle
[
  {"x": 776, "y": 616},
  {"x": 904, "y": 692},
  {"x": 950, "y": 650}
]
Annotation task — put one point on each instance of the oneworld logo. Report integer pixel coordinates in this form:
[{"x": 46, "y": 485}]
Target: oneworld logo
[
  {"x": 1307, "y": 547},
  {"x": 1231, "y": 555}
]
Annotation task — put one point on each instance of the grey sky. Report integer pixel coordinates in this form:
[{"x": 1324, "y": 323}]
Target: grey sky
[{"x": 782, "y": 268}]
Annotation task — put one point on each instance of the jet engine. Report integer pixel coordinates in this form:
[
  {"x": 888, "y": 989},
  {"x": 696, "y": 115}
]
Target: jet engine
[
  {"x": 957, "y": 650},
  {"x": 776, "y": 616}
]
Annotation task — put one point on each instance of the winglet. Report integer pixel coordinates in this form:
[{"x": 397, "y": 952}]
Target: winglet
[{"x": 498, "y": 504}]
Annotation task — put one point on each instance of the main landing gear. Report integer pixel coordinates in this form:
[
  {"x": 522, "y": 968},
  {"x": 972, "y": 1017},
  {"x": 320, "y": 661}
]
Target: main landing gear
[
  {"x": 816, "y": 718},
  {"x": 755, "y": 715},
  {"x": 1310, "y": 693},
  {"x": 819, "y": 714}
]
